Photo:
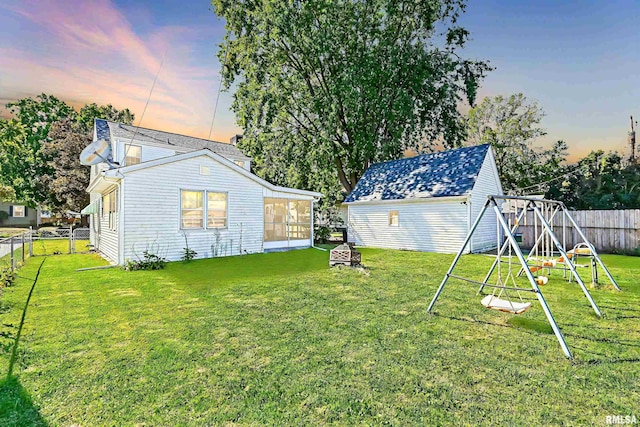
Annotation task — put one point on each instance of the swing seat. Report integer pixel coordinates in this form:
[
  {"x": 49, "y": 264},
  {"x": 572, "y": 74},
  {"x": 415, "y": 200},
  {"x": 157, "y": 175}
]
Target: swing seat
[{"x": 495, "y": 303}]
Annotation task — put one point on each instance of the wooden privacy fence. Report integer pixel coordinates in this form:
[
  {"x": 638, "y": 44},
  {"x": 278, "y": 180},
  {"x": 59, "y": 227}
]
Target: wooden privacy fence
[{"x": 607, "y": 230}]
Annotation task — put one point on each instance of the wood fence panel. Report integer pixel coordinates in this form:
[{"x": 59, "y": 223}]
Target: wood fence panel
[{"x": 607, "y": 230}]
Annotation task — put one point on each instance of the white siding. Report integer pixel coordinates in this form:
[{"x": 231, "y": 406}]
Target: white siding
[
  {"x": 152, "y": 216},
  {"x": 148, "y": 152},
  {"x": 107, "y": 242},
  {"x": 486, "y": 184},
  {"x": 429, "y": 225},
  {"x": 152, "y": 152}
]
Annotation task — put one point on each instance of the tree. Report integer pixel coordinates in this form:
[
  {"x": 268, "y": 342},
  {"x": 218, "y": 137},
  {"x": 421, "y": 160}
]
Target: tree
[
  {"x": 600, "y": 180},
  {"x": 511, "y": 125},
  {"x": 23, "y": 165},
  {"x": 90, "y": 112},
  {"x": 43, "y": 169},
  {"x": 66, "y": 179},
  {"x": 6, "y": 193},
  {"x": 326, "y": 88},
  {"x": 15, "y": 160}
]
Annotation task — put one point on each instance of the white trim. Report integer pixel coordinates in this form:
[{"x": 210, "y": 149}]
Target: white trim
[
  {"x": 13, "y": 211},
  {"x": 205, "y": 206},
  {"x": 226, "y": 209},
  {"x": 214, "y": 156},
  {"x": 441, "y": 199},
  {"x": 494, "y": 168},
  {"x": 176, "y": 148},
  {"x": 120, "y": 189},
  {"x": 469, "y": 220},
  {"x": 203, "y": 209}
]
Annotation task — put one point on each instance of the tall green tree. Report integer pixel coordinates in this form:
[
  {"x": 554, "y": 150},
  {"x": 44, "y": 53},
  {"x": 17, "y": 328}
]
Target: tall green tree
[
  {"x": 66, "y": 179},
  {"x": 600, "y": 180},
  {"x": 24, "y": 165},
  {"x": 16, "y": 161},
  {"x": 40, "y": 167},
  {"x": 326, "y": 88},
  {"x": 90, "y": 112},
  {"x": 511, "y": 125}
]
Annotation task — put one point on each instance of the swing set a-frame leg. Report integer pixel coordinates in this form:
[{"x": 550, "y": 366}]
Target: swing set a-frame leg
[
  {"x": 534, "y": 285},
  {"x": 592, "y": 249},
  {"x": 459, "y": 254},
  {"x": 572, "y": 267},
  {"x": 525, "y": 266}
]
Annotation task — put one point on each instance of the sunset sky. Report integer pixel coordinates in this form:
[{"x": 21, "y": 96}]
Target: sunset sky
[{"x": 580, "y": 60}]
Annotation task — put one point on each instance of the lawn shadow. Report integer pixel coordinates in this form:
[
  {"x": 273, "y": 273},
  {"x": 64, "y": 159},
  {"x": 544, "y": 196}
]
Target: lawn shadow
[
  {"x": 16, "y": 406},
  {"x": 601, "y": 358},
  {"x": 530, "y": 325}
]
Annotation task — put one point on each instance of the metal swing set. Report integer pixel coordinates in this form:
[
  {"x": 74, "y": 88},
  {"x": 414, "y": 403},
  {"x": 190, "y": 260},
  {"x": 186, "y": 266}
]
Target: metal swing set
[{"x": 547, "y": 254}]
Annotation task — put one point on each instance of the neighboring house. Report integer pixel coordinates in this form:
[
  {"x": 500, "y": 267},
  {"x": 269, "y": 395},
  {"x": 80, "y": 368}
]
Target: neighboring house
[
  {"x": 172, "y": 190},
  {"x": 426, "y": 203},
  {"x": 19, "y": 215}
]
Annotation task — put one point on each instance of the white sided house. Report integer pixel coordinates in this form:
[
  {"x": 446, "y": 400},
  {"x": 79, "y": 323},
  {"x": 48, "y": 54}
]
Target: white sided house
[
  {"x": 165, "y": 192},
  {"x": 426, "y": 203}
]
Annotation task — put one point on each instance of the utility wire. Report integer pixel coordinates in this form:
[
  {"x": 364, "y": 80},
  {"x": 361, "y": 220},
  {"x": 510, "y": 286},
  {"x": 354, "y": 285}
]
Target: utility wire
[
  {"x": 568, "y": 174},
  {"x": 147, "y": 103},
  {"x": 215, "y": 107}
]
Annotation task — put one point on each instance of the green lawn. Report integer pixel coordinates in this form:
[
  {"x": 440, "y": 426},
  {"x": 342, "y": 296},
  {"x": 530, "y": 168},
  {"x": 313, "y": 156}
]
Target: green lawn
[
  {"x": 280, "y": 339},
  {"x": 11, "y": 231}
]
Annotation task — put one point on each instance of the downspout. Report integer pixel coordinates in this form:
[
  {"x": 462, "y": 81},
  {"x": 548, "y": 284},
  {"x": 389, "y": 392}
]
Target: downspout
[{"x": 469, "y": 222}]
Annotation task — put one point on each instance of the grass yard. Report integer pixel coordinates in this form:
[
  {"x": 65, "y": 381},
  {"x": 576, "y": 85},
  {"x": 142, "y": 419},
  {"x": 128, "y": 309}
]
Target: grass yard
[
  {"x": 11, "y": 231},
  {"x": 280, "y": 339}
]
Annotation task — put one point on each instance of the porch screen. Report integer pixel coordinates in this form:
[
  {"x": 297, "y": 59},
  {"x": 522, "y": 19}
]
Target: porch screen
[{"x": 286, "y": 219}]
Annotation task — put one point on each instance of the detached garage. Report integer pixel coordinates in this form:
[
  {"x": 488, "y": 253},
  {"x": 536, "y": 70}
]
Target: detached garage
[{"x": 425, "y": 203}]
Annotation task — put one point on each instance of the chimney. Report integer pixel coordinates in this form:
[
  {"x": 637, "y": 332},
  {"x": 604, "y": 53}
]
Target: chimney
[{"x": 235, "y": 139}]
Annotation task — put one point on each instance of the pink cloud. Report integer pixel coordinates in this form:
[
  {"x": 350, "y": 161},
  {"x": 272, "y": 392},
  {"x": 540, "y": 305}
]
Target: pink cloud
[{"x": 90, "y": 52}]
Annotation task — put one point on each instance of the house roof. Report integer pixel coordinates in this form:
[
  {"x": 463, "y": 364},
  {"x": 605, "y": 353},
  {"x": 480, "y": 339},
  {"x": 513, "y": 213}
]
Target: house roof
[
  {"x": 106, "y": 129},
  {"x": 441, "y": 174},
  {"x": 123, "y": 171}
]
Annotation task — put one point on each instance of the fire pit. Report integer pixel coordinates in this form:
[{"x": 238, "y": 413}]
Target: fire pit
[{"x": 345, "y": 254}]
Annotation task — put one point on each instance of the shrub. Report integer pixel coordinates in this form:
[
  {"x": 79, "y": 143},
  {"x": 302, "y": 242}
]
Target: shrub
[
  {"x": 149, "y": 261},
  {"x": 322, "y": 234},
  {"x": 7, "y": 277},
  {"x": 188, "y": 254}
]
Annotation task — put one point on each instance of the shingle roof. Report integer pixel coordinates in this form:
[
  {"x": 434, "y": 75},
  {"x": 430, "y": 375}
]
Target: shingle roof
[
  {"x": 104, "y": 128},
  {"x": 446, "y": 173}
]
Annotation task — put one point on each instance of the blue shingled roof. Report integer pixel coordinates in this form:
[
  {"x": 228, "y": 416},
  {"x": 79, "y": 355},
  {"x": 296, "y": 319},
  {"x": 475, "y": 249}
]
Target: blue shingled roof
[{"x": 446, "y": 173}]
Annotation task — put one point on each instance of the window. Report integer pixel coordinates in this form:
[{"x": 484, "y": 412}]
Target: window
[
  {"x": 394, "y": 218},
  {"x": 300, "y": 219},
  {"x": 216, "y": 210},
  {"x": 192, "y": 209},
  {"x": 204, "y": 170},
  {"x": 286, "y": 219},
  {"x": 275, "y": 220},
  {"x": 133, "y": 155},
  {"x": 19, "y": 211},
  {"x": 110, "y": 209}
]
